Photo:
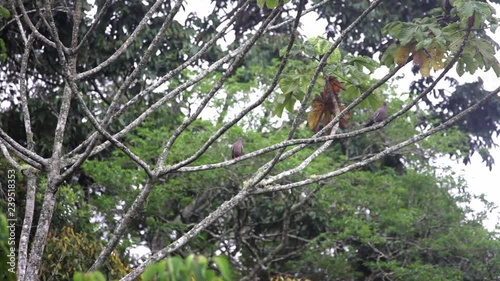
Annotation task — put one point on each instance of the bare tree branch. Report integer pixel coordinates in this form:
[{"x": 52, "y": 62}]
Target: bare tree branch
[
  {"x": 177, "y": 244},
  {"x": 29, "y": 211},
  {"x": 26, "y": 155},
  {"x": 142, "y": 63},
  {"x": 118, "y": 144},
  {"x": 114, "y": 103},
  {"x": 8, "y": 156},
  {"x": 125, "y": 44},
  {"x": 34, "y": 29},
  {"x": 265, "y": 169},
  {"x": 122, "y": 226},
  {"x": 24, "y": 94},
  {"x": 167, "y": 77},
  {"x": 380, "y": 155},
  {"x": 19, "y": 24},
  {"x": 239, "y": 116},
  {"x": 97, "y": 20},
  {"x": 30, "y": 173},
  {"x": 54, "y": 168},
  {"x": 216, "y": 214},
  {"x": 239, "y": 57}
]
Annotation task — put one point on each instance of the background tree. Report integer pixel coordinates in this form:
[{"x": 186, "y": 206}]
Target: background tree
[{"x": 120, "y": 122}]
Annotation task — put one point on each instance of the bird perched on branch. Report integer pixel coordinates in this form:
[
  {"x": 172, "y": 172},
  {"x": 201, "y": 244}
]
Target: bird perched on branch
[
  {"x": 379, "y": 115},
  {"x": 237, "y": 149}
]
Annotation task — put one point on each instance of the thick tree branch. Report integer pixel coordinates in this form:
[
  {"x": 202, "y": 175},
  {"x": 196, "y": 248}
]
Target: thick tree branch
[
  {"x": 29, "y": 210},
  {"x": 177, "y": 244},
  {"x": 77, "y": 19},
  {"x": 54, "y": 168},
  {"x": 24, "y": 94},
  {"x": 22, "y": 259},
  {"x": 36, "y": 253}
]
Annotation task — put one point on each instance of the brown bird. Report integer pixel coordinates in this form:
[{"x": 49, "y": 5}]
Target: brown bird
[
  {"x": 237, "y": 149},
  {"x": 379, "y": 115}
]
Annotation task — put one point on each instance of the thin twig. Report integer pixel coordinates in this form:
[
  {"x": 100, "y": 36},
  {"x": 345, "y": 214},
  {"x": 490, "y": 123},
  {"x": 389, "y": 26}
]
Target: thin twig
[{"x": 142, "y": 24}]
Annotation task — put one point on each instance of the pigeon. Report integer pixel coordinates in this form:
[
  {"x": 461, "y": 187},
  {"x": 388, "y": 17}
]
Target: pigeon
[
  {"x": 237, "y": 149},
  {"x": 379, "y": 115}
]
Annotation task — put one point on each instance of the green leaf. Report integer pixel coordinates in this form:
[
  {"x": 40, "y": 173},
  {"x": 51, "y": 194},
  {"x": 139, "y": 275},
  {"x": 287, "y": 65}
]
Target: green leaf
[
  {"x": 367, "y": 62},
  {"x": 163, "y": 276},
  {"x": 289, "y": 103},
  {"x": 97, "y": 276},
  {"x": 224, "y": 267},
  {"x": 212, "y": 276},
  {"x": 188, "y": 262},
  {"x": 78, "y": 276},
  {"x": 470, "y": 63},
  {"x": 407, "y": 34},
  {"x": 200, "y": 267},
  {"x": 278, "y": 110},
  {"x": 335, "y": 56},
  {"x": 4, "y": 13},
  {"x": 271, "y": 4},
  {"x": 261, "y": 3},
  {"x": 496, "y": 68},
  {"x": 317, "y": 46},
  {"x": 152, "y": 270},
  {"x": 174, "y": 266},
  {"x": 387, "y": 58},
  {"x": 460, "y": 67}
]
